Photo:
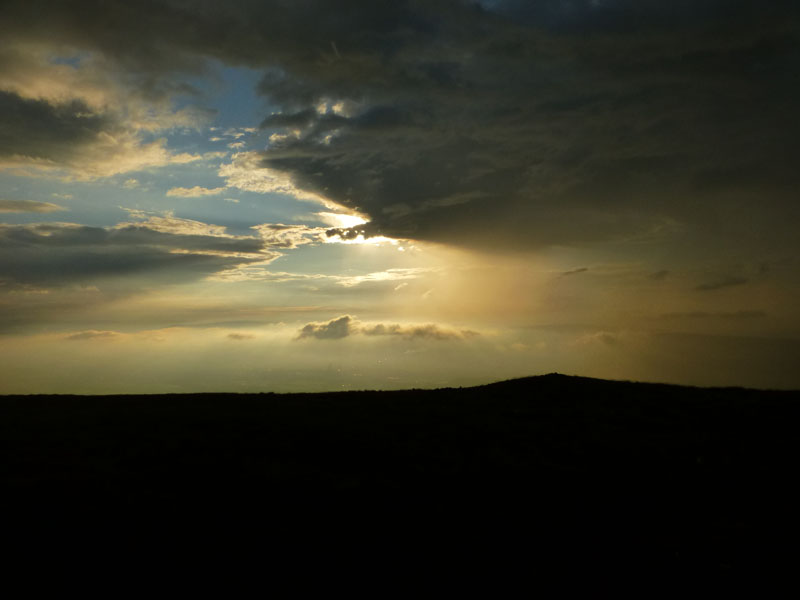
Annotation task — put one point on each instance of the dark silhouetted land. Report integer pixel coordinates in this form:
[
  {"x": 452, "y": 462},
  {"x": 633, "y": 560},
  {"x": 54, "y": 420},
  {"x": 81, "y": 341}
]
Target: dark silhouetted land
[{"x": 597, "y": 479}]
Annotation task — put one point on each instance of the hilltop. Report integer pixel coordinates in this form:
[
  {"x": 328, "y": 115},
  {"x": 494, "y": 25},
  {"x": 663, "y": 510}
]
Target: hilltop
[{"x": 534, "y": 473}]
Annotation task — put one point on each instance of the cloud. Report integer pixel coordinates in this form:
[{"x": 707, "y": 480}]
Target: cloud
[
  {"x": 167, "y": 250},
  {"x": 258, "y": 271},
  {"x": 721, "y": 283},
  {"x": 247, "y": 172},
  {"x": 93, "y": 334},
  {"x": 575, "y": 271},
  {"x": 389, "y": 275},
  {"x": 74, "y": 139},
  {"x": 278, "y": 235},
  {"x": 497, "y": 125},
  {"x": 240, "y": 337},
  {"x": 167, "y": 222},
  {"x": 194, "y": 192},
  {"x": 659, "y": 275},
  {"x": 346, "y": 326},
  {"x": 739, "y": 314},
  {"x": 37, "y": 129},
  {"x": 521, "y": 131},
  {"x": 28, "y": 206},
  {"x": 428, "y": 331},
  {"x": 332, "y": 330},
  {"x": 603, "y": 338}
]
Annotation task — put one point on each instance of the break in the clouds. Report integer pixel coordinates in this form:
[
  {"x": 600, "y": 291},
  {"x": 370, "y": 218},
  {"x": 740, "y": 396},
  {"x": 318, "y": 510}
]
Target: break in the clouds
[{"x": 345, "y": 326}]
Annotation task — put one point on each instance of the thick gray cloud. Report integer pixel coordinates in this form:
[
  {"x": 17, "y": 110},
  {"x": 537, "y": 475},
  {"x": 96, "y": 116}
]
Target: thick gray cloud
[
  {"x": 39, "y": 130},
  {"x": 495, "y": 123}
]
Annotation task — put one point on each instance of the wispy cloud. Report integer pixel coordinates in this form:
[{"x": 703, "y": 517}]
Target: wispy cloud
[
  {"x": 93, "y": 334},
  {"x": 388, "y": 275},
  {"x": 249, "y": 172},
  {"x": 659, "y": 275},
  {"x": 194, "y": 192},
  {"x": 28, "y": 206},
  {"x": 241, "y": 337},
  {"x": 699, "y": 314},
  {"x": 278, "y": 235},
  {"x": 721, "y": 283}
]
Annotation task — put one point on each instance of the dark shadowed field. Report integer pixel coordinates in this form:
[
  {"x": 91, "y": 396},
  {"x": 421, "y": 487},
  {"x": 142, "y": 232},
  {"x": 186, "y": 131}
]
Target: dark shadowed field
[{"x": 596, "y": 481}]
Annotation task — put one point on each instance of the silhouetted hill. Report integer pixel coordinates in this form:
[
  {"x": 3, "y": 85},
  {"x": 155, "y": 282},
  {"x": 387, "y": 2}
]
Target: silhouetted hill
[{"x": 542, "y": 475}]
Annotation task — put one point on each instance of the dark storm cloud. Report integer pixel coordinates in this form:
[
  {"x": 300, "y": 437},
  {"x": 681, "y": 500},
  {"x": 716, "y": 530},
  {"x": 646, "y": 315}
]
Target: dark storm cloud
[
  {"x": 481, "y": 130},
  {"x": 493, "y": 123},
  {"x": 58, "y": 254}
]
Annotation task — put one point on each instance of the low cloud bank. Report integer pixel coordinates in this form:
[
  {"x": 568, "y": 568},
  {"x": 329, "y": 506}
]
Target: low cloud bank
[{"x": 346, "y": 326}]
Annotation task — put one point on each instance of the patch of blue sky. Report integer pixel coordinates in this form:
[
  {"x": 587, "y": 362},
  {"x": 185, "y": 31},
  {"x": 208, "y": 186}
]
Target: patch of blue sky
[
  {"x": 233, "y": 111},
  {"x": 235, "y": 208},
  {"x": 231, "y": 92},
  {"x": 87, "y": 203},
  {"x": 73, "y": 60},
  {"x": 238, "y": 217}
]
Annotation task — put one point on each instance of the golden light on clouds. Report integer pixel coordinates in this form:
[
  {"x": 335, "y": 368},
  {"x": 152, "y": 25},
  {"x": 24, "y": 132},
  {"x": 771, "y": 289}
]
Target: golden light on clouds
[{"x": 341, "y": 219}]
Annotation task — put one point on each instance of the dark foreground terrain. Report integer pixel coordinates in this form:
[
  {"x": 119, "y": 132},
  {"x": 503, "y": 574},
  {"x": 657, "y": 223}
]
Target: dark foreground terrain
[{"x": 585, "y": 481}]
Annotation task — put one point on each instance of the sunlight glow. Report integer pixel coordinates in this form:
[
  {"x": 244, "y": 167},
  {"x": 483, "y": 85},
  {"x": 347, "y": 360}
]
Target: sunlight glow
[
  {"x": 377, "y": 240},
  {"x": 341, "y": 220}
]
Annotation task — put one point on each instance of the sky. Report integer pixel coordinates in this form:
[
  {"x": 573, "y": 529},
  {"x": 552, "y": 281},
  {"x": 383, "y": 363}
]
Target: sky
[{"x": 309, "y": 195}]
